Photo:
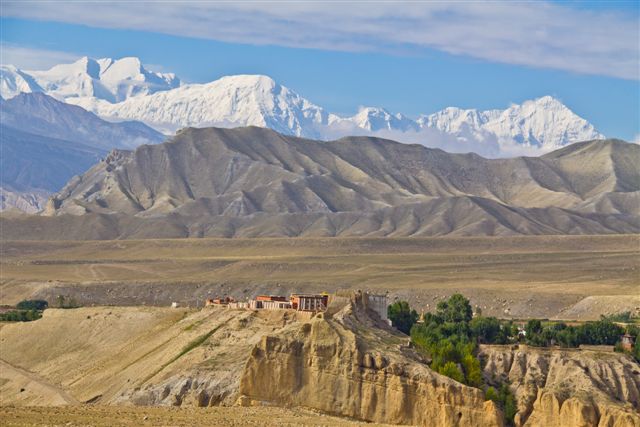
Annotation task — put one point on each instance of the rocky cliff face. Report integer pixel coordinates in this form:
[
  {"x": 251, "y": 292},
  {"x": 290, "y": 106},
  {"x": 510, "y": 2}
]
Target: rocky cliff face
[
  {"x": 340, "y": 365},
  {"x": 567, "y": 387},
  {"x": 347, "y": 363}
]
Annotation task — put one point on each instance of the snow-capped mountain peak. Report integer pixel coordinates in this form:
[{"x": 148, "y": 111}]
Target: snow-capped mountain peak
[
  {"x": 453, "y": 119},
  {"x": 376, "y": 118},
  {"x": 14, "y": 82},
  {"x": 542, "y": 122},
  {"x": 240, "y": 100},
  {"x": 129, "y": 74},
  {"x": 82, "y": 66},
  {"x": 104, "y": 79}
]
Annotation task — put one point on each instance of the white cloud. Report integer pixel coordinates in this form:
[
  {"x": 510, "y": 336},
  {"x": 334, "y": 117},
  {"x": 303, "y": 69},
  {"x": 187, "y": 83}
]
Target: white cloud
[
  {"x": 535, "y": 34},
  {"x": 33, "y": 59}
]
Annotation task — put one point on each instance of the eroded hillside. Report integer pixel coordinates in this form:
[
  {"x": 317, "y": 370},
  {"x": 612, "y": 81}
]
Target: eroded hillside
[
  {"x": 567, "y": 387},
  {"x": 254, "y": 182},
  {"x": 344, "y": 362},
  {"x": 145, "y": 356}
]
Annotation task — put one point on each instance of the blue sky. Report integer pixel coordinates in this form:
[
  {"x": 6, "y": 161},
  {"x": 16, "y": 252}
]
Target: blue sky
[{"x": 418, "y": 60}]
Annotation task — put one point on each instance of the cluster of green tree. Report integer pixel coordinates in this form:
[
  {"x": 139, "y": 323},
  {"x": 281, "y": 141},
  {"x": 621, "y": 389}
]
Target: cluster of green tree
[
  {"x": 447, "y": 338},
  {"x": 601, "y": 332},
  {"x": 450, "y": 337},
  {"x": 25, "y": 311},
  {"x": 505, "y": 399},
  {"x": 20, "y": 315},
  {"x": 33, "y": 304}
]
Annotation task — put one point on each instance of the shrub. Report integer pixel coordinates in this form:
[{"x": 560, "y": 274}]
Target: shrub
[
  {"x": 492, "y": 394},
  {"x": 66, "y": 303},
  {"x": 624, "y": 317},
  {"x": 510, "y": 410}
]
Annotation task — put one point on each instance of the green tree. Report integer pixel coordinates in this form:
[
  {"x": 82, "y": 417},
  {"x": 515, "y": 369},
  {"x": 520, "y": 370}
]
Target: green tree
[
  {"x": 472, "y": 370},
  {"x": 509, "y": 403},
  {"x": 567, "y": 337},
  {"x": 533, "y": 333},
  {"x": 452, "y": 371},
  {"x": 402, "y": 316},
  {"x": 455, "y": 309},
  {"x": 505, "y": 399},
  {"x": 485, "y": 329},
  {"x": 601, "y": 332},
  {"x": 533, "y": 327}
]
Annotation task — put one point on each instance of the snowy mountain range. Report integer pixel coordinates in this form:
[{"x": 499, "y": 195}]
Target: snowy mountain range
[{"x": 124, "y": 89}]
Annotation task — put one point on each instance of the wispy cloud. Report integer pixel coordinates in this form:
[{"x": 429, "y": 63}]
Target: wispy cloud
[
  {"x": 537, "y": 34},
  {"x": 33, "y": 59}
]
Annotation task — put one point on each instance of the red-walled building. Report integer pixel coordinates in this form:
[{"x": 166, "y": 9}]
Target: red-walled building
[{"x": 270, "y": 298}]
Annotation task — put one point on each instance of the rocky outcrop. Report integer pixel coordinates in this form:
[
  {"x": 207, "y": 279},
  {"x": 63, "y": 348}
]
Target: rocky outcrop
[
  {"x": 562, "y": 387},
  {"x": 341, "y": 365}
]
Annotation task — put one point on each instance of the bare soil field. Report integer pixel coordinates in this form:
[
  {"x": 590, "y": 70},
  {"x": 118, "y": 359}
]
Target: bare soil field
[
  {"x": 131, "y": 416},
  {"x": 541, "y": 276}
]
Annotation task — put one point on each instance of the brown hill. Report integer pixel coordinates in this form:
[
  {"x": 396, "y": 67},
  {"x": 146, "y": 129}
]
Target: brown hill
[{"x": 255, "y": 182}]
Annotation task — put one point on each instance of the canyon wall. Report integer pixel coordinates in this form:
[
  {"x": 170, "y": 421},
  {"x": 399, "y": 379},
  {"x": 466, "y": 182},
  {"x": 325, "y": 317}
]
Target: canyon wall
[
  {"x": 341, "y": 365},
  {"x": 567, "y": 387}
]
